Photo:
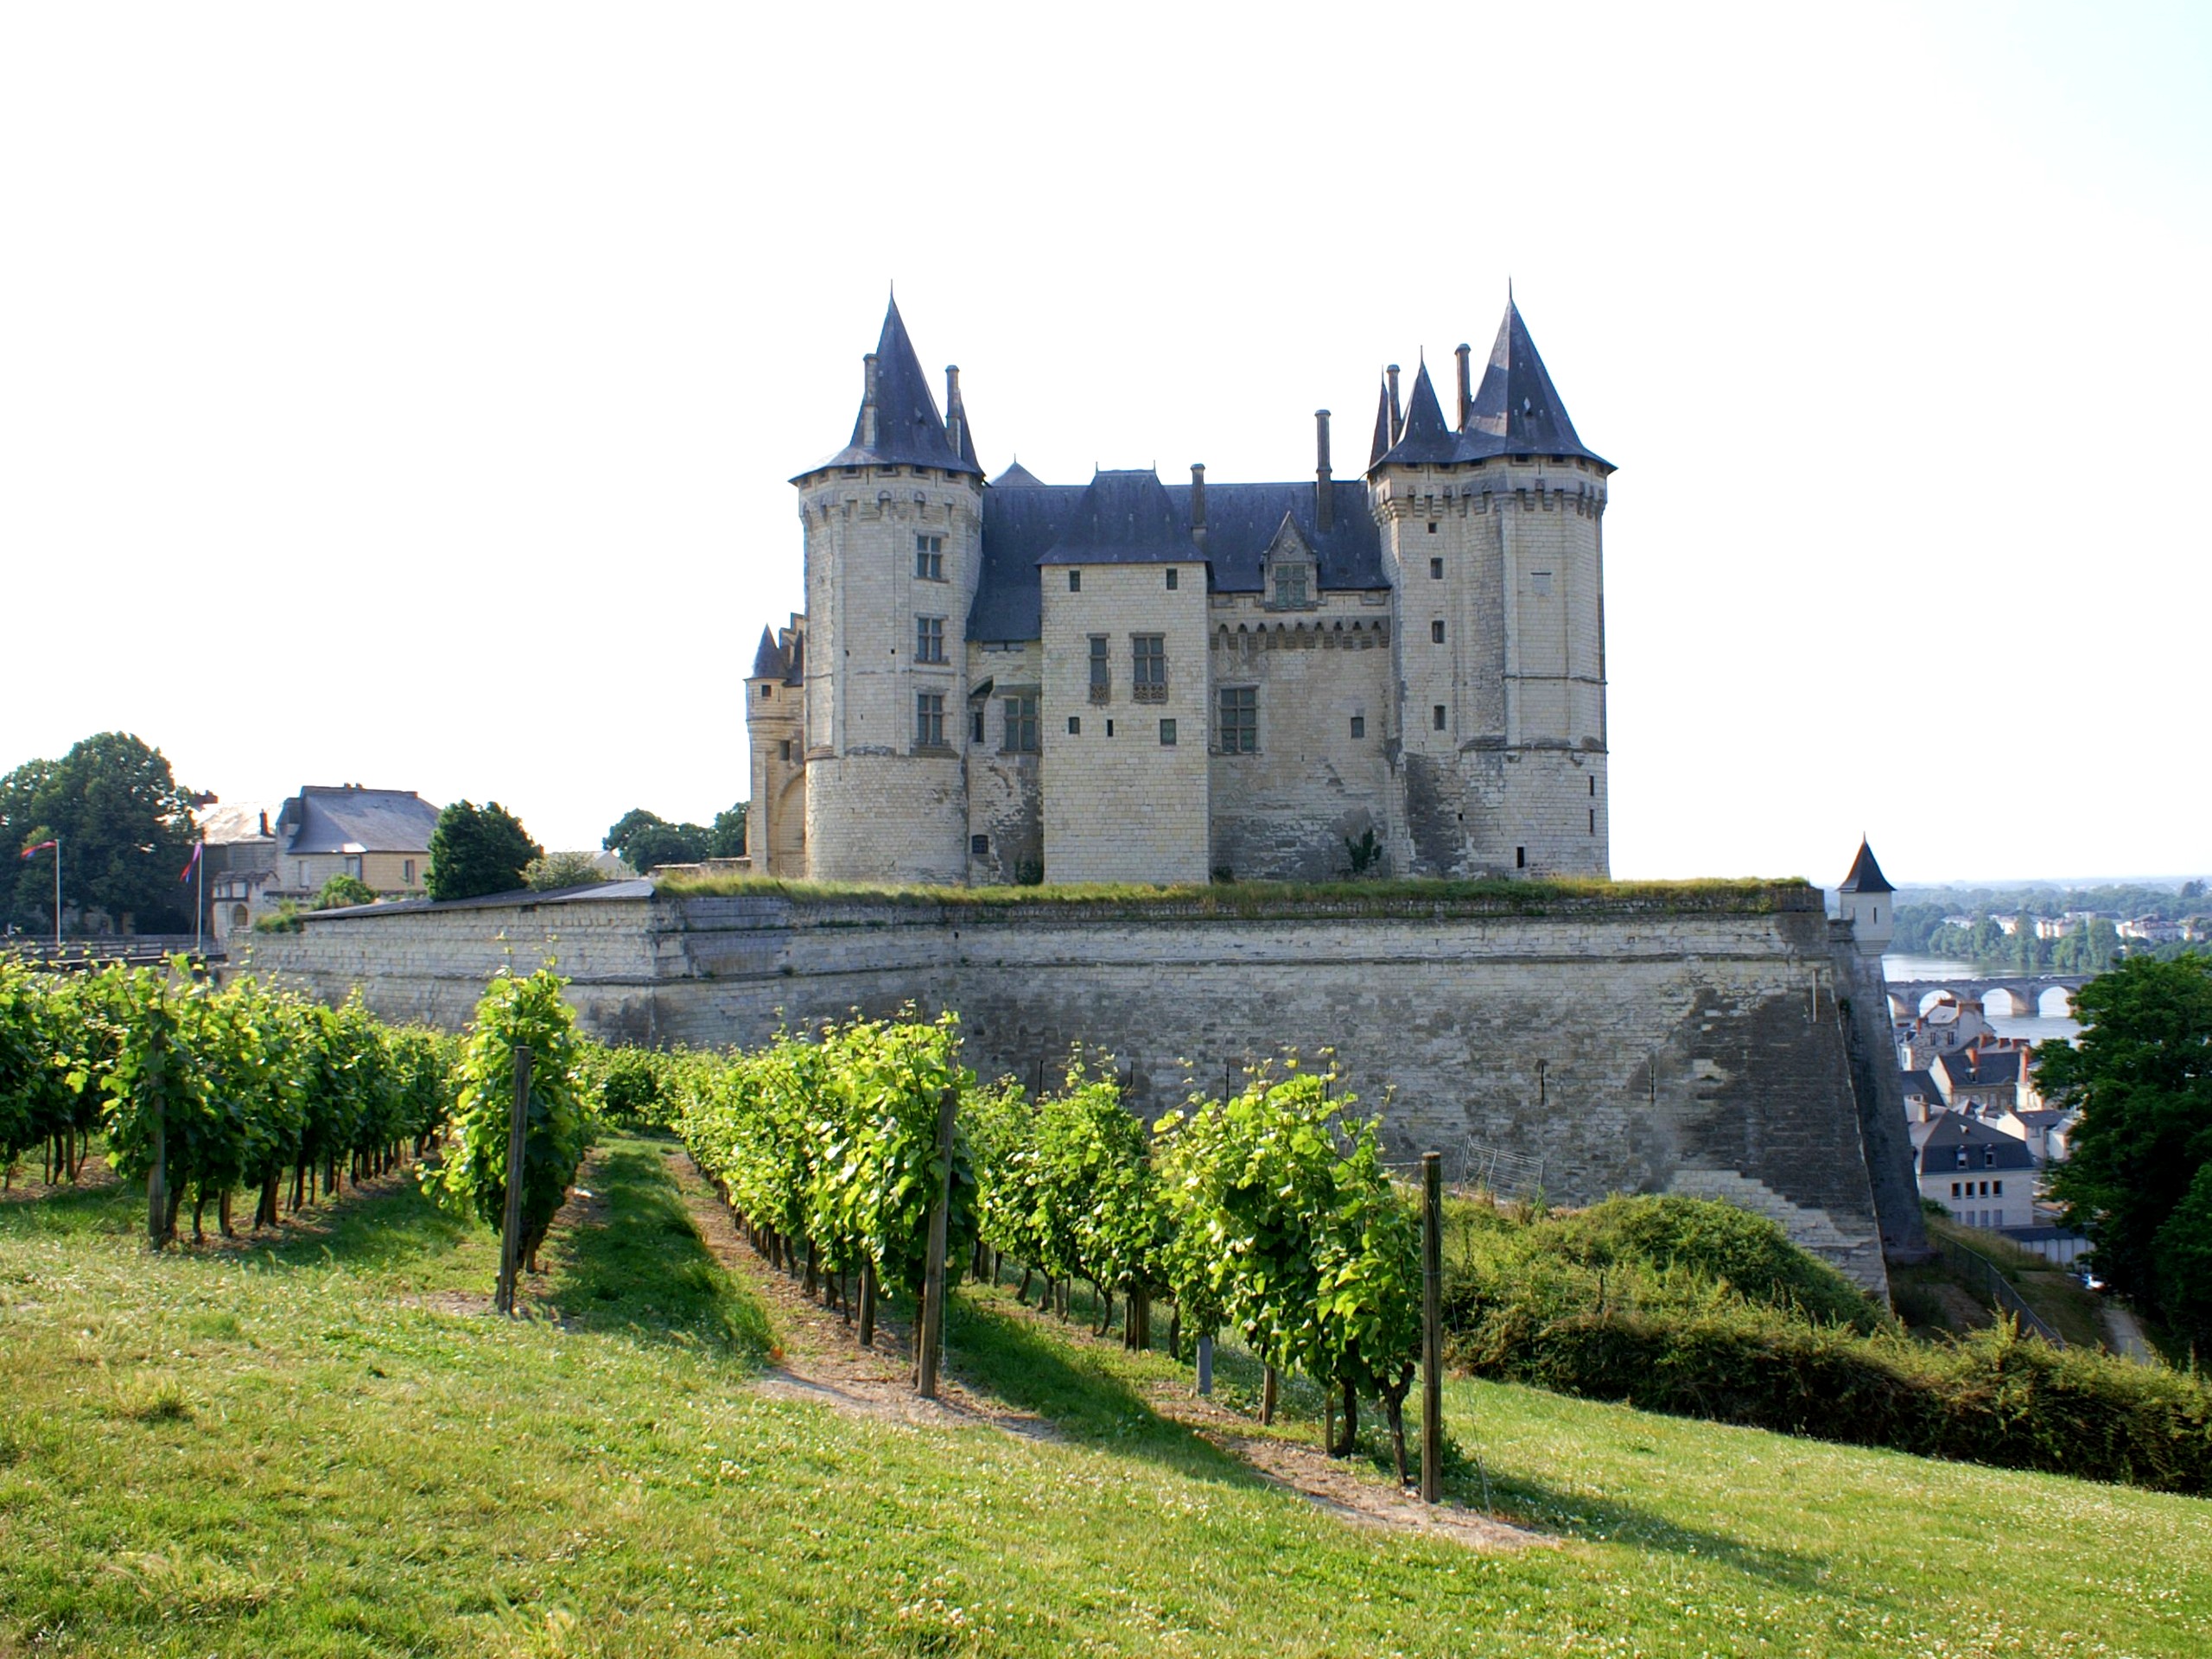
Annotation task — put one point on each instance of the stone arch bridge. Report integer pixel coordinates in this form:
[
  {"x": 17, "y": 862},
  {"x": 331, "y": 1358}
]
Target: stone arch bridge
[{"x": 2026, "y": 992}]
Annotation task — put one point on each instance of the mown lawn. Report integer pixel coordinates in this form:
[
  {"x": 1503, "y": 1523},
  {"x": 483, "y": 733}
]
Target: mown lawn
[{"x": 322, "y": 1448}]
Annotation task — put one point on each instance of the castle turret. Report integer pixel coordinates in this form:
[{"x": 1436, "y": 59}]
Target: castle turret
[
  {"x": 1868, "y": 903},
  {"x": 775, "y": 823},
  {"x": 894, "y": 540},
  {"x": 1495, "y": 530}
]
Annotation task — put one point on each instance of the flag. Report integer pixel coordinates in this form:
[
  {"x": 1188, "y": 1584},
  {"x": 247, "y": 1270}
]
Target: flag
[
  {"x": 192, "y": 863},
  {"x": 40, "y": 848}
]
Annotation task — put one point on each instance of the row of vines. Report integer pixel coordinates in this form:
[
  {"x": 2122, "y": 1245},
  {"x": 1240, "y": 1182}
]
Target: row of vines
[
  {"x": 244, "y": 1090},
  {"x": 1269, "y": 1213}
]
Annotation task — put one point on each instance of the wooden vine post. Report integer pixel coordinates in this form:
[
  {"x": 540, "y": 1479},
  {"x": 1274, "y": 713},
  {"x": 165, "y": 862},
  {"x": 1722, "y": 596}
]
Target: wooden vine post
[
  {"x": 510, "y": 1229},
  {"x": 157, "y": 1177},
  {"x": 1431, "y": 1327},
  {"x": 930, "y": 1337}
]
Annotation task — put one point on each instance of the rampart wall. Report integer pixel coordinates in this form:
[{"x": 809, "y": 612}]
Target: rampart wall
[{"x": 1692, "y": 1045}]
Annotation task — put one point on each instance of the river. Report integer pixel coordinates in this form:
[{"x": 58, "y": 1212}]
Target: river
[{"x": 2035, "y": 1030}]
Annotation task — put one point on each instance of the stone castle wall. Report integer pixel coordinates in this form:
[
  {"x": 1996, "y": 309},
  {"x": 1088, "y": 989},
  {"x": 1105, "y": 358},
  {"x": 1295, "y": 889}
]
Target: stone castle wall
[{"x": 1695, "y": 1048}]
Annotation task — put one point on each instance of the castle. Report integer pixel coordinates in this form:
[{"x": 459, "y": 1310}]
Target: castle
[{"x": 1126, "y": 680}]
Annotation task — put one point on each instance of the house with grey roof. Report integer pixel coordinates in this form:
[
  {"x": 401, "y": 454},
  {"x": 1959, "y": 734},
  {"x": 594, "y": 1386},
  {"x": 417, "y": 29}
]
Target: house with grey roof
[
  {"x": 378, "y": 836},
  {"x": 1983, "y": 1177}
]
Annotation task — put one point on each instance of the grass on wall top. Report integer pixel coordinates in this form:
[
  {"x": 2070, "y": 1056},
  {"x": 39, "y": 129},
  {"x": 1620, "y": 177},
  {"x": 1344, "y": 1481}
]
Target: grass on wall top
[{"x": 1499, "y": 895}]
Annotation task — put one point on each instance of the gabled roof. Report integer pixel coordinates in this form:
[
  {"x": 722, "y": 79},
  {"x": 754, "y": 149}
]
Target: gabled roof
[
  {"x": 1866, "y": 875},
  {"x": 1980, "y": 1068},
  {"x": 1516, "y": 412},
  {"x": 1920, "y": 1085},
  {"x": 1021, "y": 525},
  {"x": 221, "y": 825},
  {"x": 341, "y": 818},
  {"x": 1124, "y": 518},
  {"x": 1939, "y": 1154},
  {"x": 909, "y": 431},
  {"x": 1288, "y": 542},
  {"x": 1017, "y": 477}
]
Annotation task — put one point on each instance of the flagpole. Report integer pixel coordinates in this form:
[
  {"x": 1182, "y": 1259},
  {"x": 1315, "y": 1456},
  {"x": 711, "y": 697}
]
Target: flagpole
[
  {"x": 57, "y": 896},
  {"x": 199, "y": 894}
]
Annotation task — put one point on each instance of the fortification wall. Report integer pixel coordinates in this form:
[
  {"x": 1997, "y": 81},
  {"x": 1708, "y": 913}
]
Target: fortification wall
[{"x": 1688, "y": 1046}]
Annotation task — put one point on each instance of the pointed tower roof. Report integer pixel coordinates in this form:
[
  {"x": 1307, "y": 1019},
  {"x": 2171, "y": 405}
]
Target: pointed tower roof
[
  {"x": 1017, "y": 477},
  {"x": 958, "y": 429},
  {"x": 1425, "y": 438},
  {"x": 899, "y": 424},
  {"x": 1516, "y": 404},
  {"x": 1381, "y": 447},
  {"x": 767, "y": 661},
  {"x": 1866, "y": 875}
]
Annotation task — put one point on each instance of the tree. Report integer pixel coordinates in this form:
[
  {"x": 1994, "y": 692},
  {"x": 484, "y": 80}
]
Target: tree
[
  {"x": 2142, "y": 1076},
  {"x": 726, "y": 838},
  {"x": 644, "y": 839},
  {"x": 475, "y": 850},
  {"x": 342, "y": 890},
  {"x": 125, "y": 828},
  {"x": 557, "y": 870}
]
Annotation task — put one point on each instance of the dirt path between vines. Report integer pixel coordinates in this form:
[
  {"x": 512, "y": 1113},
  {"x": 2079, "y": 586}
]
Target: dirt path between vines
[
  {"x": 28, "y": 1188},
  {"x": 820, "y": 1363}
]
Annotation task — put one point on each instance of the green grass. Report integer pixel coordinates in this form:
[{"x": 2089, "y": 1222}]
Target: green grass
[
  {"x": 323, "y": 1447},
  {"x": 1490, "y": 895}
]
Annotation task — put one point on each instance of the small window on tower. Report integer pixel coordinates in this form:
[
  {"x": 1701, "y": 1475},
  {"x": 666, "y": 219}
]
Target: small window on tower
[
  {"x": 1436, "y": 717},
  {"x": 787, "y": 751},
  {"x": 928, "y": 639},
  {"x": 1167, "y": 733},
  {"x": 1075, "y": 725},
  {"x": 1540, "y": 583},
  {"x": 1436, "y": 570},
  {"x": 979, "y": 846},
  {"x": 1436, "y": 632},
  {"x": 929, "y": 557},
  {"x": 767, "y": 691},
  {"x": 1172, "y": 573},
  {"x": 1520, "y": 858},
  {"x": 1075, "y": 582},
  {"x": 1432, "y": 529},
  {"x": 1359, "y": 725},
  {"x": 975, "y": 726}
]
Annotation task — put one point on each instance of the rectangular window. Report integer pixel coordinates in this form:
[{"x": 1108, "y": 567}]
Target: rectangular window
[
  {"x": 1075, "y": 582},
  {"x": 1240, "y": 719},
  {"x": 975, "y": 726},
  {"x": 1075, "y": 725},
  {"x": 1290, "y": 585},
  {"x": 1167, "y": 733},
  {"x": 1540, "y": 583},
  {"x": 787, "y": 751},
  {"x": 928, "y": 639},
  {"x": 1962, "y": 1157},
  {"x": 1148, "y": 666},
  {"x": 1989, "y": 1157},
  {"x": 1436, "y": 632},
  {"x": 1593, "y": 820},
  {"x": 353, "y": 865},
  {"x": 1101, "y": 688},
  {"x": 1172, "y": 573},
  {"x": 1022, "y": 725},
  {"x": 407, "y": 871},
  {"x": 1997, "y": 1188},
  {"x": 1520, "y": 858},
  {"x": 1954, "y": 1190},
  {"x": 929, "y": 720},
  {"x": 929, "y": 557},
  {"x": 979, "y": 846},
  {"x": 1359, "y": 725},
  {"x": 1436, "y": 717},
  {"x": 1436, "y": 570}
]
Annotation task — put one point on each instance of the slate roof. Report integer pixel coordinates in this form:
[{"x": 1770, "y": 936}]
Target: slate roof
[
  {"x": 767, "y": 661},
  {"x": 339, "y": 818},
  {"x": 221, "y": 826},
  {"x": 1017, "y": 477},
  {"x": 1516, "y": 411},
  {"x": 1939, "y": 1154},
  {"x": 1022, "y": 526},
  {"x": 1866, "y": 875},
  {"x": 909, "y": 431},
  {"x": 1980, "y": 1068},
  {"x": 1921, "y": 1085}
]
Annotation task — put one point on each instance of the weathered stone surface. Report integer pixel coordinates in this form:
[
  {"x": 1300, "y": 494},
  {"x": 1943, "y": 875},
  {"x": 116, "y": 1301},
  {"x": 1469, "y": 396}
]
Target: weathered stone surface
[{"x": 1699, "y": 1048}]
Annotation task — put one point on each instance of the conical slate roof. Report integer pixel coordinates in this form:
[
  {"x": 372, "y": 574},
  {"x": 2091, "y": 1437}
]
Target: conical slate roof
[
  {"x": 1516, "y": 412},
  {"x": 1425, "y": 437},
  {"x": 1866, "y": 875},
  {"x": 1381, "y": 447},
  {"x": 767, "y": 661},
  {"x": 909, "y": 431}
]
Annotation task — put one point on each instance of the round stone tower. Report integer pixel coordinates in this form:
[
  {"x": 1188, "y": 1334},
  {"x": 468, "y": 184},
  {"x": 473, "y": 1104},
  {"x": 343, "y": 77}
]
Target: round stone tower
[
  {"x": 1495, "y": 526},
  {"x": 893, "y": 537}
]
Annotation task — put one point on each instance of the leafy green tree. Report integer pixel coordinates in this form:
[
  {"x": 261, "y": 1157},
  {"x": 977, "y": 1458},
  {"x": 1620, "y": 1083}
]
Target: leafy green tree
[
  {"x": 529, "y": 1013},
  {"x": 554, "y": 871},
  {"x": 125, "y": 828},
  {"x": 2142, "y": 1076},
  {"x": 342, "y": 890},
  {"x": 726, "y": 839},
  {"x": 476, "y": 851},
  {"x": 644, "y": 839}
]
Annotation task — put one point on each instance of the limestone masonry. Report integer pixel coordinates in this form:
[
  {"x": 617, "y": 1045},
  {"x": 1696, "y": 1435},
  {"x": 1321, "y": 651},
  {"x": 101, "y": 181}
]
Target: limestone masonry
[
  {"x": 1122, "y": 680},
  {"x": 1700, "y": 1043}
]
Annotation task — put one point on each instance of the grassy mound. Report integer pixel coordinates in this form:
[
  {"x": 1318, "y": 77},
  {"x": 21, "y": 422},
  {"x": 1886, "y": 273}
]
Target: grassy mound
[{"x": 1699, "y": 1309}]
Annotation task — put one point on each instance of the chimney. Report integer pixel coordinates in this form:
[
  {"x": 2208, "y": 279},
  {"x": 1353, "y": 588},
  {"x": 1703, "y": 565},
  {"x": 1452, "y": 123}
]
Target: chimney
[
  {"x": 867, "y": 405},
  {"x": 1325, "y": 499},
  {"x": 1466, "y": 387},
  {"x": 955, "y": 416},
  {"x": 264, "y": 821},
  {"x": 1198, "y": 504},
  {"x": 1397, "y": 414}
]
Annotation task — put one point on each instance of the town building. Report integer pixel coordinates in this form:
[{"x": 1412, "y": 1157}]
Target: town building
[
  {"x": 1983, "y": 1177},
  {"x": 257, "y": 864},
  {"x": 1126, "y": 679}
]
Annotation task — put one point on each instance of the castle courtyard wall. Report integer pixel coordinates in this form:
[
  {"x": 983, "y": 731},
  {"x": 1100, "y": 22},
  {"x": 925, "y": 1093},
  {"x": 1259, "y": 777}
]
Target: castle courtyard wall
[{"x": 1695, "y": 1048}]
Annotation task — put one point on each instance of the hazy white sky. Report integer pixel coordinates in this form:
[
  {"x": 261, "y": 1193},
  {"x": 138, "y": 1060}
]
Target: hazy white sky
[{"x": 406, "y": 394}]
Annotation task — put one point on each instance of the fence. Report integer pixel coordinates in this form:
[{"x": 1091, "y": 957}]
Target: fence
[
  {"x": 1982, "y": 1274},
  {"x": 137, "y": 949}
]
